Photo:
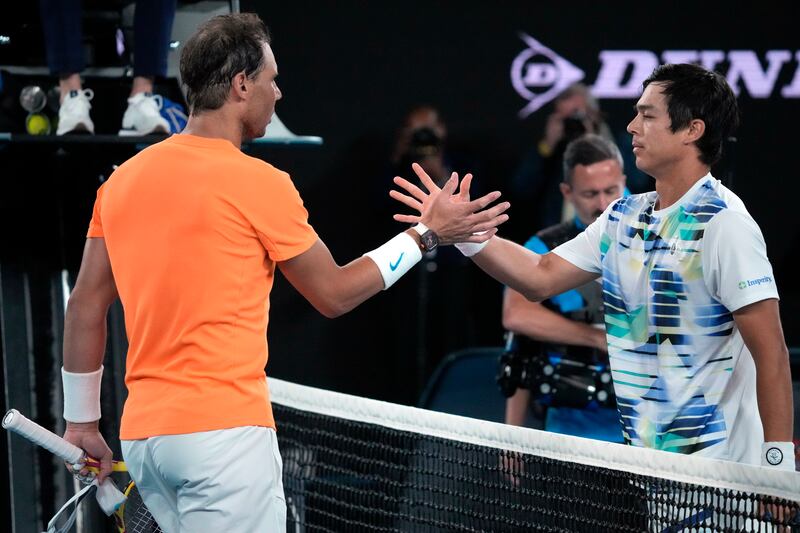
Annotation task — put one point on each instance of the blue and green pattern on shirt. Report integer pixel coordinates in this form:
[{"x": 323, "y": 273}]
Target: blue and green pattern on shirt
[{"x": 663, "y": 324}]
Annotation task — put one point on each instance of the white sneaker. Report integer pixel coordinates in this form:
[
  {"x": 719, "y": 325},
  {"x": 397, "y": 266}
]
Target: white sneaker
[
  {"x": 143, "y": 116},
  {"x": 73, "y": 114}
]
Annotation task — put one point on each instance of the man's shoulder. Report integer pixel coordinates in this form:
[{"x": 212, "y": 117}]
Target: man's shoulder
[
  {"x": 262, "y": 168},
  {"x": 720, "y": 206},
  {"x": 730, "y": 199},
  {"x": 238, "y": 168},
  {"x": 729, "y": 223}
]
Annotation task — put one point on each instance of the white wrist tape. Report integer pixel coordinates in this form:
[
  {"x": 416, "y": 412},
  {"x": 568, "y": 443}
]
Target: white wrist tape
[
  {"x": 82, "y": 395},
  {"x": 778, "y": 455},
  {"x": 471, "y": 248},
  {"x": 420, "y": 228},
  {"x": 109, "y": 496},
  {"x": 396, "y": 257}
]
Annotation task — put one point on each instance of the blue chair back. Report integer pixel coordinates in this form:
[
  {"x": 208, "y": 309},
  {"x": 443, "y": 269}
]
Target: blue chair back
[{"x": 464, "y": 384}]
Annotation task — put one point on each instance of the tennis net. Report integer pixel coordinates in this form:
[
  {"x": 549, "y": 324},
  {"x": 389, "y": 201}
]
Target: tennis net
[{"x": 354, "y": 464}]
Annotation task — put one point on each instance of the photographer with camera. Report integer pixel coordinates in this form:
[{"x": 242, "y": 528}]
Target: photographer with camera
[
  {"x": 421, "y": 140},
  {"x": 558, "y": 361},
  {"x": 535, "y": 185},
  {"x": 446, "y": 289}
]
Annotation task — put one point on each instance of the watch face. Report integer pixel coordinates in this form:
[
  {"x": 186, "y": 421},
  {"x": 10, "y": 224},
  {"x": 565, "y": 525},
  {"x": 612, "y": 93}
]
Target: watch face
[
  {"x": 429, "y": 240},
  {"x": 774, "y": 456}
]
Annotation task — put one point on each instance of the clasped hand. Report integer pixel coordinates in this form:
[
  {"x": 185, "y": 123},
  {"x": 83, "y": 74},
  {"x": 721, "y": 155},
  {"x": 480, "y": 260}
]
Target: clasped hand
[
  {"x": 450, "y": 214},
  {"x": 87, "y": 437}
]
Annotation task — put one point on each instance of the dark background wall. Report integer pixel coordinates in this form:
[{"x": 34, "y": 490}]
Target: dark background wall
[{"x": 350, "y": 70}]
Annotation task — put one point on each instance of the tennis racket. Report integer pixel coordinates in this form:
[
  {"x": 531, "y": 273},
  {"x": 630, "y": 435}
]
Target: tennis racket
[{"x": 130, "y": 517}]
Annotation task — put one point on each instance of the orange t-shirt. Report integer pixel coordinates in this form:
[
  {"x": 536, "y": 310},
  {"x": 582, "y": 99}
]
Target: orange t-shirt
[{"x": 193, "y": 229}]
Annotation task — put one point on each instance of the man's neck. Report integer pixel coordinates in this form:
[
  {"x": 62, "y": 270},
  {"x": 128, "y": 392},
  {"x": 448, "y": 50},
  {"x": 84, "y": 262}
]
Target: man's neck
[
  {"x": 674, "y": 183},
  {"x": 216, "y": 124}
]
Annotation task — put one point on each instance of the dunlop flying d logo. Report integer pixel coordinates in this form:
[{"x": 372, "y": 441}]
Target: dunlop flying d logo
[{"x": 538, "y": 74}]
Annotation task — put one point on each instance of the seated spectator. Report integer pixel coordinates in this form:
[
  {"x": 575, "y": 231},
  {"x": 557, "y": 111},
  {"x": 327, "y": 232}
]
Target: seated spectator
[{"x": 570, "y": 325}]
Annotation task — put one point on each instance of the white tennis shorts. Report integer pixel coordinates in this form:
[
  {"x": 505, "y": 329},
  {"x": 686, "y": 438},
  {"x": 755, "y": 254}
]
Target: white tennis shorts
[{"x": 225, "y": 480}]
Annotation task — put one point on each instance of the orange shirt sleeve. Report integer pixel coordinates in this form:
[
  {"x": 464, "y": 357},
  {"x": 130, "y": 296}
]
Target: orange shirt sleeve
[
  {"x": 96, "y": 225},
  {"x": 279, "y": 217}
]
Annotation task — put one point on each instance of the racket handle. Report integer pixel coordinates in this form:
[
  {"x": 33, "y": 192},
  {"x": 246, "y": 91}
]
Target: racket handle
[{"x": 18, "y": 423}]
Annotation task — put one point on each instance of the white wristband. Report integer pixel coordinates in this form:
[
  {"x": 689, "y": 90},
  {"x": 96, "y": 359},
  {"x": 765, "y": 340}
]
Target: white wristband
[
  {"x": 395, "y": 257},
  {"x": 468, "y": 249},
  {"x": 82, "y": 395},
  {"x": 420, "y": 228},
  {"x": 778, "y": 455}
]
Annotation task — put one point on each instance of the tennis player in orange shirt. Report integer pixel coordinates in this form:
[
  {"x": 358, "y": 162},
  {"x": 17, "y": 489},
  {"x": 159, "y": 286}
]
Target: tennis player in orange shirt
[{"x": 188, "y": 234}]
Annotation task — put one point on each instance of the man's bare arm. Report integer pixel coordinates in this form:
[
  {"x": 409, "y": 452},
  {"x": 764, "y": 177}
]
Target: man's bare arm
[
  {"x": 85, "y": 339},
  {"x": 760, "y": 326},
  {"x": 534, "y": 320},
  {"x": 536, "y": 277},
  {"x": 85, "y": 321},
  {"x": 332, "y": 289},
  {"x": 517, "y": 407}
]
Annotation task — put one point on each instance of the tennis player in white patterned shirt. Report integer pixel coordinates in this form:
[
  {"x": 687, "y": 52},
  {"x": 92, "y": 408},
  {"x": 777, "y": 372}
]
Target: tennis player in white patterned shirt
[{"x": 697, "y": 353}]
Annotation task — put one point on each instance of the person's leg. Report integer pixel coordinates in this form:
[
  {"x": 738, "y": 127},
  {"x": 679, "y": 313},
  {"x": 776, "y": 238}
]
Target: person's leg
[
  {"x": 152, "y": 28},
  {"x": 68, "y": 83},
  {"x": 227, "y": 480},
  {"x": 61, "y": 24},
  {"x": 159, "y": 497}
]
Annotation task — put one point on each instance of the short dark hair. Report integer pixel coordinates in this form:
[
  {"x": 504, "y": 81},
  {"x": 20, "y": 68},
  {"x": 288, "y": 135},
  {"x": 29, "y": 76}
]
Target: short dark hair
[
  {"x": 589, "y": 149},
  {"x": 221, "y": 48},
  {"x": 693, "y": 92}
]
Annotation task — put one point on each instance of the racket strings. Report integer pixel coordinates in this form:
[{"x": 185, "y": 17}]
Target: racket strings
[{"x": 134, "y": 516}]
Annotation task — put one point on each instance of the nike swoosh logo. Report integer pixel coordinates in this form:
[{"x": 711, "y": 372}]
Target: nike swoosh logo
[{"x": 393, "y": 266}]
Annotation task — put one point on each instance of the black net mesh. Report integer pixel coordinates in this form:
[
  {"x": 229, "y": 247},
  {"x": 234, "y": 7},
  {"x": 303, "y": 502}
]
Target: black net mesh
[{"x": 341, "y": 475}]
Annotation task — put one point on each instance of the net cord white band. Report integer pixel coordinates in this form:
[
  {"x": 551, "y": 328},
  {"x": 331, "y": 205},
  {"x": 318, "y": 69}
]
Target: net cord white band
[
  {"x": 18, "y": 423},
  {"x": 82, "y": 395},
  {"x": 395, "y": 257},
  {"x": 641, "y": 461}
]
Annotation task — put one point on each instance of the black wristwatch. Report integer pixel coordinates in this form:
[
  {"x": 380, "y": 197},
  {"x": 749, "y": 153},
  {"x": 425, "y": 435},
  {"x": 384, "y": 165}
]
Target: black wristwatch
[{"x": 427, "y": 237}]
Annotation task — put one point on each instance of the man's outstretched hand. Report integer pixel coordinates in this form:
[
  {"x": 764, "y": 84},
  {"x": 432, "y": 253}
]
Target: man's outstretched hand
[{"x": 450, "y": 214}]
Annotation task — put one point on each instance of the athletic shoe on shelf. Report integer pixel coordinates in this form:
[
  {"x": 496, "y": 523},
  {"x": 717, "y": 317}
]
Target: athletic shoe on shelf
[
  {"x": 73, "y": 115},
  {"x": 143, "y": 116}
]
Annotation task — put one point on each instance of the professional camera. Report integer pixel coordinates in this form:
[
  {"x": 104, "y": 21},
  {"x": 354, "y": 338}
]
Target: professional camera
[
  {"x": 553, "y": 380},
  {"x": 574, "y": 126},
  {"x": 424, "y": 143}
]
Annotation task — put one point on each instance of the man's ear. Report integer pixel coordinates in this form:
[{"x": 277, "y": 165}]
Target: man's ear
[
  {"x": 694, "y": 131},
  {"x": 239, "y": 85},
  {"x": 566, "y": 190}
]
